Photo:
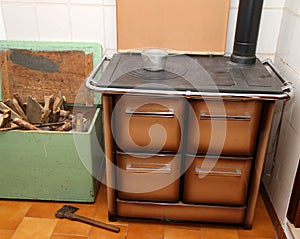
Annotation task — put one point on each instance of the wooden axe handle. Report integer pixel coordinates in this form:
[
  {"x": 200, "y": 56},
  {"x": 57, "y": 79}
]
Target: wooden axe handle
[{"x": 79, "y": 218}]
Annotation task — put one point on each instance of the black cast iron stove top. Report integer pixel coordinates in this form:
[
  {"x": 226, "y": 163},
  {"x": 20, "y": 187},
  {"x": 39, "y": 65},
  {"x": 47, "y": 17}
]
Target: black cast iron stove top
[{"x": 189, "y": 73}]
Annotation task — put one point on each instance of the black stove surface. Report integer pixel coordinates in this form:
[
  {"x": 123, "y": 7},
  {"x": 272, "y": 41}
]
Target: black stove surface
[{"x": 189, "y": 73}]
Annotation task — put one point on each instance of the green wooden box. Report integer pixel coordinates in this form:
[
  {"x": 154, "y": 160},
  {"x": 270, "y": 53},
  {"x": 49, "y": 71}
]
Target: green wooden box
[{"x": 46, "y": 165}]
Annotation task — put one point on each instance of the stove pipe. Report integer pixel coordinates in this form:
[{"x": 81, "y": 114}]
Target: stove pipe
[{"x": 246, "y": 33}]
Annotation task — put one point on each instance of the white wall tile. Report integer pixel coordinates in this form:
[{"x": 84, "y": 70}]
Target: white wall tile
[
  {"x": 234, "y": 3},
  {"x": 285, "y": 35},
  {"x": 264, "y": 56},
  {"x": 98, "y": 2},
  {"x": 2, "y": 25},
  {"x": 52, "y": 1},
  {"x": 284, "y": 169},
  {"x": 20, "y": 21},
  {"x": 87, "y": 23},
  {"x": 274, "y": 4},
  {"x": 110, "y": 27},
  {"x": 109, "y": 2},
  {"x": 231, "y": 30},
  {"x": 53, "y": 22},
  {"x": 293, "y": 6},
  {"x": 269, "y": 30},
  {"x": 18, "y": 1},
  {"x": 293, "y": 57}
]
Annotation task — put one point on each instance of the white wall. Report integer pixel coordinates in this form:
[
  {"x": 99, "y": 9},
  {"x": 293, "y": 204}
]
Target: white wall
[{"x": 288, "y": 151}]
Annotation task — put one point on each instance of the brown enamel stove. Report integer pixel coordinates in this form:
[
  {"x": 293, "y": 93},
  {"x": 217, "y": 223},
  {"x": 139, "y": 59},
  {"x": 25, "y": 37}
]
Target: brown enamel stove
[{"x": 187, "y": 143}]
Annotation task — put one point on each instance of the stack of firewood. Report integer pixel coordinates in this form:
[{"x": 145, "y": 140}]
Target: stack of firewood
[{"x": 52, "y": 115}]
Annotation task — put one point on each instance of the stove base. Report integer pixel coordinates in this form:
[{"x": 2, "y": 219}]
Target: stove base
[{"x": 181, "y": 211}]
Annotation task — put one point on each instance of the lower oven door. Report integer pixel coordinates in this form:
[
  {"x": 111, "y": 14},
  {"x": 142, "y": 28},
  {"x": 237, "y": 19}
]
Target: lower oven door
[
  {"x": 213, "y": 180},
  {"x": 148, "y": 177}
]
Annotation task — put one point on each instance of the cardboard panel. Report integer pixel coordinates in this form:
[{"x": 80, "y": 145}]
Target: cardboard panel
[{"x": 193, "y": 26}]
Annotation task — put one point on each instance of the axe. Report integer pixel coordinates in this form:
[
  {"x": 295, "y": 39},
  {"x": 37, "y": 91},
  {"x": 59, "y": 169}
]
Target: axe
[{"x": 67, "y": 212}]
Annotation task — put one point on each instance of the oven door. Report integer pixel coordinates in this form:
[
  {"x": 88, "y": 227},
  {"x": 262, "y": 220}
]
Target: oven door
[
  {"x": 148, "y": 177},
  {"x": 148, "y": 124},
  {"x": 213, "y": 180}
]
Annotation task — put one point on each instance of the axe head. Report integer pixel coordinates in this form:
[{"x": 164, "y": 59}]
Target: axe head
[{"x": 65, "y": 210}]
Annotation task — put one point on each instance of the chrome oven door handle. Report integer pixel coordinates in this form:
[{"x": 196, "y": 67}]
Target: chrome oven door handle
[
  {"x": 148, "y": 168},
  {"x": 205, "y": 116},
  {"x": 222, "y": 173},
  {"x": 164, "y": 114}
]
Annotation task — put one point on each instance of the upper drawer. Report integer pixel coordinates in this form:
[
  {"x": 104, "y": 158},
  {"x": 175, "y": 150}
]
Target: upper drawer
[
  {"x": 148, "y": 123},
  {"x": 226, "y": 127}
]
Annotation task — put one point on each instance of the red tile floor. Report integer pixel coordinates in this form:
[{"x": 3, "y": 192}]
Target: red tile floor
[{"x": 36, "y": 220}]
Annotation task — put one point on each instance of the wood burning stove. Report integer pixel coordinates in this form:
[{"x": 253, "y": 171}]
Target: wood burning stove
[{"x": 188, "y": 143}]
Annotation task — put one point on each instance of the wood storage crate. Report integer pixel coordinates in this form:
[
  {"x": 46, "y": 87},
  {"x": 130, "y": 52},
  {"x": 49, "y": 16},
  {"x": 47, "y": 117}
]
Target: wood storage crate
[{"x": 47, "y": 165}]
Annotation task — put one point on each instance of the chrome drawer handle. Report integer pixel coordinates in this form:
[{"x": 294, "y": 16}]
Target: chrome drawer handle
[
  {"x": 164, "y": 114},
  {"x": 233, "y": 173},
  {"x": 205, "y": 116},
  {"x": 148, "y": 168}
]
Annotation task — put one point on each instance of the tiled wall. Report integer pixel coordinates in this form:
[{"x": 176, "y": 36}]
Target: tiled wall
[
  {"x": 95, "y": 20},
  {"x": 60, "y": 20},
  {"x": 288, "y": 151}
]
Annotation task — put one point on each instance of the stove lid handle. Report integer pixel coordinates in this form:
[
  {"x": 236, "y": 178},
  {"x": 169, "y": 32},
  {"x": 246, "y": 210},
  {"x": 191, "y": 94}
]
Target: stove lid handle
[
  {"x": 287, "y": 86},
  {"x": 90, "y": 80}
]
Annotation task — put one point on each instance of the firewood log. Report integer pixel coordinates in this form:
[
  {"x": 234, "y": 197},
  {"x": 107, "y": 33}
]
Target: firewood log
[
  {"x": 24, "y": 124},
  {"x": 33, "y": 111},
  {"x": 5, "y": 120},
  {"x": 47, "y": 110},
  {"x": 4, "y": 107},
  {"x": 19, "y": 109},
  {"x": 67, "y": 126},
  {"x": 20, "y": 101},
  {"x": 10, "y": 104}
]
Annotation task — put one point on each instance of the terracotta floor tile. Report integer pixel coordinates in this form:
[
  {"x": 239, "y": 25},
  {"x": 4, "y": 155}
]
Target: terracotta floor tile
[
  {"x": 102, "y": 216},
  {"x": 12, "y": 213},
  {"x": 6, "y": 234},
  {"x": 215, "y": 232},
  {"x": 67, "y": 237},
  {"x": 98, "y": 233},
  {"x": 262, "y": 225},
  {"x": 101, "y": 196},
  {"x": 188, "y": 225},
  {"x": 181, "y": 234},
  {"x": 43, "y": 209},
  {"x": 145, "y": 231},
  {"x": 260, "y": 202},
  {"x": 65, "y": 226},
  {"x": 35, "y": 228},
  {"x": 247, "y": 237}
]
